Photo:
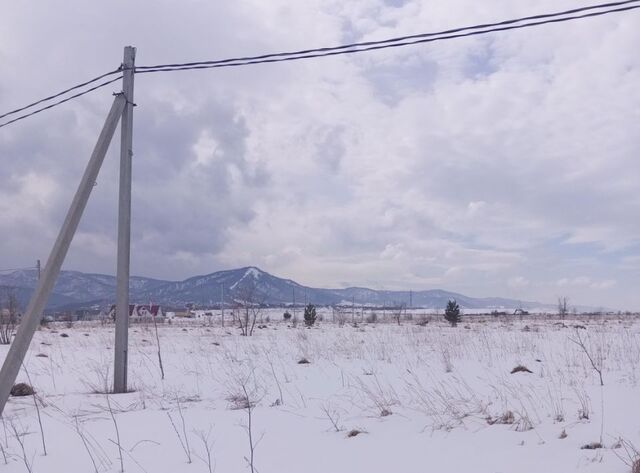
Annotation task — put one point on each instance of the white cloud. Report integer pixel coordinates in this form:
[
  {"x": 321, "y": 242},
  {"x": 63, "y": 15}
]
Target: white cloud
[
  {"x": 518, "y": 281},
  {"x": 479, "y": 165}
]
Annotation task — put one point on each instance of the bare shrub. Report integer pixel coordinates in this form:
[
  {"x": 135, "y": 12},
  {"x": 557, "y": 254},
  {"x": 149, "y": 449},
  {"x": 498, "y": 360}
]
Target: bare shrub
[
  {"x": 238, "y": 401},
  {"x": 208, "y": 447},
  {"x": 507, "y": 418},
  {"x": 446, "y": 359},
  {"x": 249, "y": 428},
  {"x": 584, "y": 411},
  {"x": 333, "y": 415},
  {"x": 591, "y": 446},
  {"x": 631, "y": 456},
  {"x": 595, "y": 356},
  {"x": 19, "y": 436},
  {"x": 117, "y": 430},
  {"x": 183, "y": 438},
  {"x": 380, "y": 398},
  {"x": 8, "y": 317}
]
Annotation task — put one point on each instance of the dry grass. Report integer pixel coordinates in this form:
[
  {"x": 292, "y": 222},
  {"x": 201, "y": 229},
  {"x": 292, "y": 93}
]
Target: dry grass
[{"x": 507, "y": 418}]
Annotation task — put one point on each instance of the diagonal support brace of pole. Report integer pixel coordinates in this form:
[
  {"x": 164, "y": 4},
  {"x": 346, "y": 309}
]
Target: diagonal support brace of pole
[{"x": 33, "y": 314}]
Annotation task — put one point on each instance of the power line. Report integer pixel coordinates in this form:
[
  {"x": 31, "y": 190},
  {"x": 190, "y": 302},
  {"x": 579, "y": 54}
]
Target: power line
[
  {"x": 481, "y": 29},
  {"x": 51, "y": 97},
  {"x": 547, "y": 18},
  {"x": 55, "y": 104}
]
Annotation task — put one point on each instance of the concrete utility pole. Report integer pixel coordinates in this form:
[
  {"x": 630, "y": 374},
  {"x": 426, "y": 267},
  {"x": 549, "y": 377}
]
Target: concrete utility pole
[
  {"x": 294, "y": 301},
  {"x": 33, "y": 314},
  {"x": 353, "y": 309},
  {"x": 222, "y": 304},
  {"x": 38, "y": 266},
  {"x": 124, "y": 227}
]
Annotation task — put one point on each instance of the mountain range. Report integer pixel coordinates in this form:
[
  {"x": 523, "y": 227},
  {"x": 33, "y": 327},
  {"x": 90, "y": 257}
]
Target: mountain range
[{"x": 76, "y": 290}]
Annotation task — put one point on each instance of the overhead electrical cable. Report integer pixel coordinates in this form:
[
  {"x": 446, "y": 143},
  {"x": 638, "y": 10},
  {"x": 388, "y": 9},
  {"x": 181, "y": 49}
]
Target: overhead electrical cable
[
  {"x": 403, "y": 40},
  {"x": 60, "y": 102},
  {"x": 481, "y": 29},
  {"x": 51, "y": 97}
]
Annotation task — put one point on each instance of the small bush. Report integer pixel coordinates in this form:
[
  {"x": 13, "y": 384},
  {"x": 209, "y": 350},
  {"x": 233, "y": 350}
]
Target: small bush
[
  {"x": 310, "y": 315},
  {"x": 21, "y": 389},
  {"x": 303, "y": 361},
  {"x": 452, "y": 313},
  {"x": 591, "y": 446},
  {"x": 521, "y": 369},
  {"x": 286, "y": 315}
]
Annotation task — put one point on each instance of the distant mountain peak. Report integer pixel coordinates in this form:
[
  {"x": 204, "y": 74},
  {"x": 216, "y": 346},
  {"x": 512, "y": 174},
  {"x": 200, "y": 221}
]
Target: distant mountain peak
[
  {"x": 251, "y": 272},
  {"x": 75, "y": 289}
]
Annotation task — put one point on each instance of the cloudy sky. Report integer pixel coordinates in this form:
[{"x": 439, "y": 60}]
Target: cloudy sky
[{"x": 502, "y": 165}]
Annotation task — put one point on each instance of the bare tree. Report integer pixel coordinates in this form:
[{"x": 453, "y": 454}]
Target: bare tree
[
  {"x": 249, "y": 308},
  {"x": 563, "y": 309},
  {"x": 398, "y": 311},
  {"x": 8, "y": 317}
]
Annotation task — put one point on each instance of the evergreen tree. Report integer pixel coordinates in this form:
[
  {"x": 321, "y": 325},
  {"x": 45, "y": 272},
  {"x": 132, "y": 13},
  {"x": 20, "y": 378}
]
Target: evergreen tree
[
  {"x": 310, "y": 315},
  {"x": 452, "y": 313}
]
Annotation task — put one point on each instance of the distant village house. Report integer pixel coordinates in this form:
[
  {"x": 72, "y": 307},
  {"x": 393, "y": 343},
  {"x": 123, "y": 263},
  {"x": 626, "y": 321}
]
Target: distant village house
[{"x": 140, "y": 310}]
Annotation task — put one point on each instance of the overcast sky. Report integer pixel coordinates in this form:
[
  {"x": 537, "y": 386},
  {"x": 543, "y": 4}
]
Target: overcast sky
[{"x": 502, "y": 165}]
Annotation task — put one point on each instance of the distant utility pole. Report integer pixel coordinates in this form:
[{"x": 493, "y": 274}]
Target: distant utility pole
[
  {"x": 353, "y": 309},
  {"x": 124, "y": 227},
  {"x": 294, "y": 301},
  {"x": 33, "y": 314},
  {"x": 222, "y": 304},
  {"x": 38, "y": 266},
  {"x": 410, "y": 298}
]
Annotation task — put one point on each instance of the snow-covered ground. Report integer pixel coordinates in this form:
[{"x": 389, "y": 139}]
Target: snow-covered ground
[{"x": 425, "y": 398}]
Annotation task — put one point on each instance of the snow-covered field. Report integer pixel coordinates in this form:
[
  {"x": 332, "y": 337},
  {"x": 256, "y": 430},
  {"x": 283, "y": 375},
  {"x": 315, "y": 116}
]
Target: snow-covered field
[{"x": 424, "y": 398}]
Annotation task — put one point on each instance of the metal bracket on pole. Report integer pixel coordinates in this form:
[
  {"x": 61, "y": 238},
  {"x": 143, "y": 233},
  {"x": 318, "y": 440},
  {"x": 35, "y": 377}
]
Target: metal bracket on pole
[
  {"x": 33, "y": 314},
  {"x": 124, "y": 227}
]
